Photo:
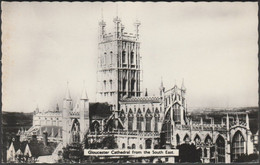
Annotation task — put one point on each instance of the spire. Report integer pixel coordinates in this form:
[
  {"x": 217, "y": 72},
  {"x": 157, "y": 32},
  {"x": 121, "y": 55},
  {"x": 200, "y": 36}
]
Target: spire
[
  {"x": 182, "y": 86},
  {"x": 161, "y": 82},
  {"x": 237, "y": 120},
  {"x": 146, "y": 94},
  {"x": 116, "y": 10},
  {"x": 68, "y": 92},
  {"x": 247, "y": 120},
  {"x": 84, "y": 95},
  {"x": 102, "y": 17}
]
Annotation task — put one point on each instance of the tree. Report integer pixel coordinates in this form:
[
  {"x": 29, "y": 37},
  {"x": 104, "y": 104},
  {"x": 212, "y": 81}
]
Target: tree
[
  {"x": 109, "y": 142},
  {"x": 188, "y": 153},
  {"x": 73, "y": 153}
]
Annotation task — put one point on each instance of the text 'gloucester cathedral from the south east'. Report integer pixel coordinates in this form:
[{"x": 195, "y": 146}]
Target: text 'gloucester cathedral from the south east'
[{"x": 136, "y": 120}]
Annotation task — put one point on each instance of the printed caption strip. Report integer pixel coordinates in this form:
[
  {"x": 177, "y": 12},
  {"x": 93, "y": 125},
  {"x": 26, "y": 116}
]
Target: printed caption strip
[{"x": 132, "y": 153}]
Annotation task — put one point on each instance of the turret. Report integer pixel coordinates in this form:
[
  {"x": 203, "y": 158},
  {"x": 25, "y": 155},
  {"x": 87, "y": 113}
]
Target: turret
[
  {"x": 137, "y": 24},
  {"x": 102, "y": 26},
  {"x": 67, "y": 107},
  {"x": 117, "y": 26},
  {"x": 84, "y": 113},
  {"x": 162, "y": 88},
  {"x": 67, "y": 104}
]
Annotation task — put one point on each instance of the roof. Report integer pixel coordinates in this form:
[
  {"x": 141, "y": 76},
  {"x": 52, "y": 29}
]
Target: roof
[
  {"x": 37, "y": 148},
  {"x": 146, "y": 99}
]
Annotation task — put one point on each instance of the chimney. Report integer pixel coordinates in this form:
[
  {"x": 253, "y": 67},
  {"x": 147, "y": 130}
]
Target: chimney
[{"x": 45, "y": 138}]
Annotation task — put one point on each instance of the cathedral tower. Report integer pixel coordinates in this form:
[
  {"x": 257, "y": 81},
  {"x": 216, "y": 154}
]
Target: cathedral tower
[{"x": 119, "y": 64}]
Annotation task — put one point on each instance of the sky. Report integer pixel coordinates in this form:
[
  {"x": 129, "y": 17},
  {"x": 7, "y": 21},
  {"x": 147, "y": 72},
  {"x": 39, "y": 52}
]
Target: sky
[{"x": 211, "y": 45}]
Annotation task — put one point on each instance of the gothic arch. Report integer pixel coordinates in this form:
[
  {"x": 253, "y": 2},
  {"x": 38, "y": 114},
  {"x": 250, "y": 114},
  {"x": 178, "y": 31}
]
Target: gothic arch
[
  {"x": 75, "y": 131},
  {"x": 186, "y": 138},
  {"x": 238, "y": 145},
  {"x": 156, "y": 119},
  {"x": 208, "y": 139},
  {"x": 148, "y": 117},
  {"x": 95, "y": 126},
  {"x": 166, "y": 128},
  {"x": 139, "y": 118},
  {"x": 220, "y": 149},
  {"x": 197, "y": 139}
]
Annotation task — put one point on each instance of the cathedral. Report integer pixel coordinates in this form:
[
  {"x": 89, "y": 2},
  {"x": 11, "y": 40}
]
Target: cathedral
[{"x": 137, "y": 120}]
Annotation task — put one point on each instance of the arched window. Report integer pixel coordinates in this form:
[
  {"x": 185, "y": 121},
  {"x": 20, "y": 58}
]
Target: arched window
[
  {"x": 130, "y": 120},
  {"x": 123, "y": 57},
  {"x": 133, "y": 146},
  {"x": 166, "y": 128},
  {"x": 156, "y": 120},
  {"x": 111, "y": 57},
  {"x": 148, "y": 117},
  {"x": 141, "y": 147},
  {"x": 123, "y": 145},
  {"x": 197, "y": 140},
  {"x": 178, "y": 139},
  {"x": 238, "y": 145},
  {"x": 186, "y": 138},
  {"x": 105, "y": 84},
  {"x": 122, "y": 116},
  {"x": 132, "y": 57},
  {"x": 220, "y": 148},
  {"x": 208, "y": 140},
  {"x": 95, "y": 126},
  {"x": 148, "y": 144},
  {"x": 105, "y": 58},
  {"x": 139, "y": 120},
  {"x": 75, "y": 130},
  {"x": 205, "y": 152},
  {"x": 132, "y": 85},
  {"x": 111, "y": 84},
  {"x": 177, "y": 114}
]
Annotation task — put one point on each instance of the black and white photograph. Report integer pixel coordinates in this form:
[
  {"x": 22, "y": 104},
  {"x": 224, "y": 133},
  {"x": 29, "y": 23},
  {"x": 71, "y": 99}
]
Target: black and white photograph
[{"x": 129, "y": 82}]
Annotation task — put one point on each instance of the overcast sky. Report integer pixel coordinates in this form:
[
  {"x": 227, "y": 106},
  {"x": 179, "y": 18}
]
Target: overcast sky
[{"x": 213, "y": 46}]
